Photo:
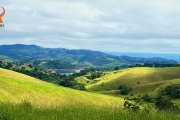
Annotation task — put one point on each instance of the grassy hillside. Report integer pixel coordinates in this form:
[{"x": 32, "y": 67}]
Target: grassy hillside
[
  {"x": 26, "y": 98},
  {"x": 17, "y": 88},
  {"x": 142, "y": 80}
]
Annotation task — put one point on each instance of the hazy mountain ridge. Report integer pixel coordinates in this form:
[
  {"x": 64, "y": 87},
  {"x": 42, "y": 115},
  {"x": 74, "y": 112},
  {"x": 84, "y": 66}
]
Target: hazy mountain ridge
[{"x": 85, "y": 57}]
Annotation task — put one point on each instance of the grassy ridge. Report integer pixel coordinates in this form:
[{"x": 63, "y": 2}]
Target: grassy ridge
[
  {"x": 140, "y": 79},
  {"x": 16, "y": 88}
]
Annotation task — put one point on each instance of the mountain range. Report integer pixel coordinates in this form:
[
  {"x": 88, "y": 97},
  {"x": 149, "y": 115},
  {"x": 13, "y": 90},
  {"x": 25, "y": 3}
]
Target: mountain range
[{"x": 21, "y": 52}]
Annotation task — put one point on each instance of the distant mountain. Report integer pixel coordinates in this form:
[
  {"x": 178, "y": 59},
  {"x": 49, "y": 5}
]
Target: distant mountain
[
  {"x": 77, "y": 57},
  {"x": 174, "y": 56},
  {"x": 135, "y": 60}
]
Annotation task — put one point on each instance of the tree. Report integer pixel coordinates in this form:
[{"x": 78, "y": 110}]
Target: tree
[
  {"x": 79, "y": 87},
  {"x": 117, "y": 68},
  {"x": 31, "y": 66}
]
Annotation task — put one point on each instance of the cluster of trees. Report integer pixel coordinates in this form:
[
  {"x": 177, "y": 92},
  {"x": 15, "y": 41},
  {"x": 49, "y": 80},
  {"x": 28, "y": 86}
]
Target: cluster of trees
[
  {"x": 154, "y": 65},
  {"x": 160, "y": 102},
  {"x": 6, "y": 65},
  {"x": 173, "y": 91},
  {"x": 165, "y": 104},
  {"x": 48, "y": 76},
  {"x": 94, "y": 75},
  {"x": 69, "y": 81}
]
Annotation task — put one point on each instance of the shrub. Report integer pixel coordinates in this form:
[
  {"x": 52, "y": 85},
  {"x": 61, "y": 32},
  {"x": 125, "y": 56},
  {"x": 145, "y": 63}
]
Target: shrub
[
  {"x": 147, "y": 98},
  {"x": 172, "y": 91},
  {"x": 117, "y": 68},
  {"x": 131, "y": 106},
  {"x": 79, "y": 87},
  {"x": 165, "y": 104},
  {"x": 125, "y": 89}
]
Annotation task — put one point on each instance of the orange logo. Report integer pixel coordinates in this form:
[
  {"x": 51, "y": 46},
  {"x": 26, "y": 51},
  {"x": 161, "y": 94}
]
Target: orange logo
[{"x": 1, "y": 15}]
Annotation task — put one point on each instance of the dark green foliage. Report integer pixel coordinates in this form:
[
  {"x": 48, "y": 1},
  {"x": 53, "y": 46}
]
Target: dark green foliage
[
  {"x": 95, "y": 75},
  {"x": 67, "y": 81},
  {"x": 117, "y": 68},
  {"x": 138, "y": 82},
  {"x": 79, "y": 86},
  {"x": 172, "y": 91},
  {"x": 8, "y": 65},
  {"x": 125, "y": 89},
  {"x": 147, "y": 98},
  {"x": 165, "y": 104},
  {"x": 156, "y": 65},
  {"x": 31, "y": 66}
]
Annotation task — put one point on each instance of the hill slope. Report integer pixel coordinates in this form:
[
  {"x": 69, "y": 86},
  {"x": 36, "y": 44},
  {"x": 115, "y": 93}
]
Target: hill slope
[
  {"x": 16, "y": 88},
  {"x": 140, "y": 79}
]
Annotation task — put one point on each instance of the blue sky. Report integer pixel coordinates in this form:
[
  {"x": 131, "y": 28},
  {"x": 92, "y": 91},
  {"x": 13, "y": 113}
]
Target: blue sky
[{"x": 104, "y": 25}]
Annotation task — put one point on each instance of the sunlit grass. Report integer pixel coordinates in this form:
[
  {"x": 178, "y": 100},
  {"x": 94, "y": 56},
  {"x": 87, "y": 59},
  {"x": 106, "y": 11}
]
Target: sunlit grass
[
  {"x": 17, "y": 87},
  {"x": 26, "y": 98},
  {"x": 140, "y": 79}
]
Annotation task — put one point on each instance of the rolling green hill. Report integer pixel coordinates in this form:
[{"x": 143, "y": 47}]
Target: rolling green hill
[
  {"x": 142, "y": 80},
  {"x": 16, "y": 88},
  {"x": 26, "y": 98}
]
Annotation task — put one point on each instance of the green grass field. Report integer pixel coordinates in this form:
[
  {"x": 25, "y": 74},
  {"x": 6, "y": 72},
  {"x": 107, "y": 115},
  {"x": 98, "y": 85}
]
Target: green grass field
[
  {"x": 24, "y": 111},
  {"x": 142, "y": 80},
  {"x": 16, "y": 87},
  {"x": 26, "y": 98}
]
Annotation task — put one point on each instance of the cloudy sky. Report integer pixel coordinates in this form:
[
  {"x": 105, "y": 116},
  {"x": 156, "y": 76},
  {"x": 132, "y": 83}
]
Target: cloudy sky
[{"x": 105, "y": 25}]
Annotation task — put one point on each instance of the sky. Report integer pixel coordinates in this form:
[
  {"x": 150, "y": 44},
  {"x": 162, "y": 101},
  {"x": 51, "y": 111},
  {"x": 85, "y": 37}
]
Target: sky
[{"x": 104, "y": 25}]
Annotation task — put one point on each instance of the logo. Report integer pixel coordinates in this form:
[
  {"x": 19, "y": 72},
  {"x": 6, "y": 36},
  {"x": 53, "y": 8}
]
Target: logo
[{"x": 1, "y": 16}]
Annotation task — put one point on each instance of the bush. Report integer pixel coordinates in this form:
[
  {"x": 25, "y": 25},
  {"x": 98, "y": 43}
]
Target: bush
[
  {"x": 117, "y": 68},
  {"x": 125, "y": 89},
  {"x": 172, "y": 91},
  {"x": 165, "y": 104},
  {"x": 79, "y": 87},
  {"x": 147, "y": 98},
  {"x": 131, "y": 106}
]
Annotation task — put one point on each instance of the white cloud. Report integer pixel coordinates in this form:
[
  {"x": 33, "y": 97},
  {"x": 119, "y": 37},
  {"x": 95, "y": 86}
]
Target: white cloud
[{"x": 106, "y": 25}]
